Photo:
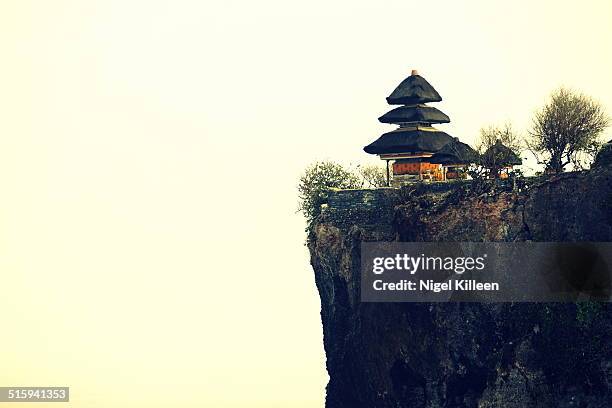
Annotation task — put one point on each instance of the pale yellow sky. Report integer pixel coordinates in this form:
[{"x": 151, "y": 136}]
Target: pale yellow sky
[{"x": 149, "y": 151}]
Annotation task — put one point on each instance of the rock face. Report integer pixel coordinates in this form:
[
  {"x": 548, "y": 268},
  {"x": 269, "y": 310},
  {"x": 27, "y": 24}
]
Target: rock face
[
  {"x": 463, "y": 354},
  {"x": 604, "y": 157}
]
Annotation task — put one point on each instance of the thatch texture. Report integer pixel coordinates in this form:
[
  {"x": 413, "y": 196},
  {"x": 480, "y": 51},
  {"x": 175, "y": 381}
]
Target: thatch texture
[
  {"x": 412, "y": 91},
  {"x": 409, "y": 140},
  {"x": 455, "y": 152},
  {"x": 414, "y": 113}
]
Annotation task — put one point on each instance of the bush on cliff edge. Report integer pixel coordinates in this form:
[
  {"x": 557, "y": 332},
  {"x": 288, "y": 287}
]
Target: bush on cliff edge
[{"x": 316, "y": 181}]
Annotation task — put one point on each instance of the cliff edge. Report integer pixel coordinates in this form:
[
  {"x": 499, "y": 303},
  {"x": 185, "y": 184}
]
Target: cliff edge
[{"x": 463, "y": 354}]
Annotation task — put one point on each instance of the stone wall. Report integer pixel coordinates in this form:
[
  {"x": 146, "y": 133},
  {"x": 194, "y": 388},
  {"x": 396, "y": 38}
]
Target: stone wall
[{"x": 366, "y": 207}]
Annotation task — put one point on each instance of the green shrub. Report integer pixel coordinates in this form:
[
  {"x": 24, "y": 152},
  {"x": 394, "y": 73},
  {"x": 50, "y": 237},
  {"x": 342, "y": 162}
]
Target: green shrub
[{"x": 315, "y": 183}]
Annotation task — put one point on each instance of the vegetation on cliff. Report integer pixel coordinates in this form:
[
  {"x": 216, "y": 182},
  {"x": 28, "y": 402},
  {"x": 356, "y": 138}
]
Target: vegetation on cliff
[
  {"x": 567, "y": 130},
  {"x": 321, "y": 177}
]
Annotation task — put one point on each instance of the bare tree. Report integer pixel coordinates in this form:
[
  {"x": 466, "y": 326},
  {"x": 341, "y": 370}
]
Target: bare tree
[
  {"x": 566, "y": 130},
  {"x": 505, "y": 134},
  {"x": 373, "y": 176}
]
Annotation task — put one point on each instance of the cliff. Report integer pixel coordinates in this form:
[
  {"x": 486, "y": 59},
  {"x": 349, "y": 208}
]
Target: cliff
[{"x": 463, "y": 354}]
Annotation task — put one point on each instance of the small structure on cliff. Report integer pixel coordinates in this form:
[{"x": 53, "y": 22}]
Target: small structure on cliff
[
  {"x": 499, "y": 160},
  {"x": 454, "y": 158},
  {"x": 413, "y": 144}
]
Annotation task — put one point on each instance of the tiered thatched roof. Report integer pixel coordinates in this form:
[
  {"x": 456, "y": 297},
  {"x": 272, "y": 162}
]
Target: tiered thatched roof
[
  {"x": 416, "y": 140},
  {"x": 415, "y": 134},
  {"x": 409, "y": 140},
  {"x": 413, "y": 90},
  {"x": 414, "y": 113}
]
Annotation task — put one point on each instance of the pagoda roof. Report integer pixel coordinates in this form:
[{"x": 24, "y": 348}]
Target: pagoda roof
[
  {"x": 414, "y": 113},
  {"x": 455, "y": 152},
  {"x": 413, "y": 90},
  {"x": 501, "y": 154},
  {"x": 409, "y": 140}
]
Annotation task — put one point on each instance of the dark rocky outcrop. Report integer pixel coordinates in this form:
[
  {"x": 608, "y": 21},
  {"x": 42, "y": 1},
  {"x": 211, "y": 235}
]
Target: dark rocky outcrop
[
  {"x": 463, "y": 354},
  {"x": 604, "y": 156}
]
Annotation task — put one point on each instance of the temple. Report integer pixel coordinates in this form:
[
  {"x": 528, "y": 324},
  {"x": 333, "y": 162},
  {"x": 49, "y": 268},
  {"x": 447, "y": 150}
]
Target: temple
[{"x": 412, "y": 145}]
